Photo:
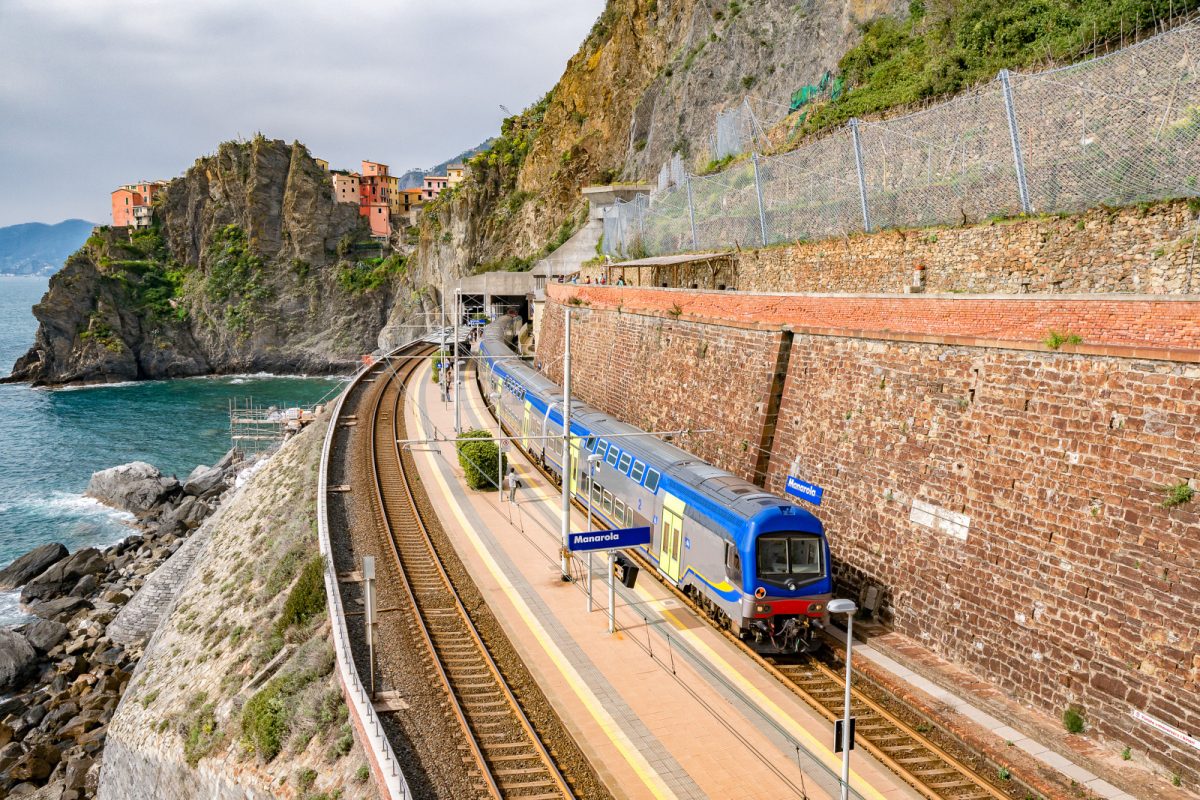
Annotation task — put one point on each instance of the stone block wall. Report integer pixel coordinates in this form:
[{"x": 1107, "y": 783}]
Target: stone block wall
[
  {"x": 1141, "y": 249},
  {"x": 1007, "y": 498}
]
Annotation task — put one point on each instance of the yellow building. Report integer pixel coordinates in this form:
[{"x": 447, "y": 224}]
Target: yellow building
[
  {"x": 456, "y": 173},
  {"x": 322, "y": 163}
]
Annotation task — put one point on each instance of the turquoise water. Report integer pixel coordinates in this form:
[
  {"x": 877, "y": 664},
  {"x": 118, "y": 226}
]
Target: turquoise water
[{"x": 52, "y": 441}]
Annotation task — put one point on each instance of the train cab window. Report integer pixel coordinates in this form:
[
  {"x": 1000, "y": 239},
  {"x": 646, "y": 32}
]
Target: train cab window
[
  {"x": 613, "y": 454},
  {"x": 652, "y": 480},
  {"x": 785, "y": 555},
  {"x": 623, "y": 464},
  {"x": 607, "y": 504},
  {"x": 733, "y": 563},
  {"x": 639, "y": 469}
]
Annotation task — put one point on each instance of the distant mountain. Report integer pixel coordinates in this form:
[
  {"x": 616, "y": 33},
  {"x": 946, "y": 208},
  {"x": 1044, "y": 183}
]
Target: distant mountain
[
  {"x": 34, "y": 248},
  {"x": 415, "y": 177}
]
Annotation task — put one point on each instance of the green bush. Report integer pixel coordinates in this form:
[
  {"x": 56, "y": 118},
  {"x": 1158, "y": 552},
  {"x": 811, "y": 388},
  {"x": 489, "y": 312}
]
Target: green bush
[
  {"x": 369, "y": 274},
  {"x": 955, "y": 45},
  {"x": 1177, "y": 494},
  {"x": 362, "y": 773},
  {"x": 202, "y": 735},
  {"x": 307, "y": 598},
  {"x": 305, "y": 779},
  {"x": 479, "y": 459},
  {"x": 1073, "y": 720},
  {"x": 264, "y": 719}
]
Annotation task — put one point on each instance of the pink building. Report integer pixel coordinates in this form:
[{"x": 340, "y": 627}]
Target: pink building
[
  {"x": 434, "y": 185},
  {"x": 345, "y": 187},
  {"x": 132, "y": 204}
]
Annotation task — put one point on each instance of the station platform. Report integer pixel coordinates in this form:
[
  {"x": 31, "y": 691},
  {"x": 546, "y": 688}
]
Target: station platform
[{"x": 666, "y": 707}]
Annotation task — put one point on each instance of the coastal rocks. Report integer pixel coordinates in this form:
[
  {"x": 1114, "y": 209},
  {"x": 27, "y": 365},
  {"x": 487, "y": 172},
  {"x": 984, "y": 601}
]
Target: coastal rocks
[
  {"x": 44, "y": 634},
  {"x": 136, "y": 487},
  {"x": 63, "y": 576},
  {"x": 203, "y": 481},
  {"x": 30, "y": 565},
  {"x": 67, "y": 670},
  {"x": 17, "y": 658}
]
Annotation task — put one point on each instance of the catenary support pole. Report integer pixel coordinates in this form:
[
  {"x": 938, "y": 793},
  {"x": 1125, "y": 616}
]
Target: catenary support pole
[
  {"x": 455, "y": 384},
  {"x": 687, "y": 182},
  {"x": 1014, "y": 136},
  {"x": 862, "y": 175},
  {"x": 762, "y": 209},
  {"x": 846, "y": 711},
  {"x": 442, "y": 352},
  {"x": 566, "y": 442},
  {"x": 368, "y": 576}
]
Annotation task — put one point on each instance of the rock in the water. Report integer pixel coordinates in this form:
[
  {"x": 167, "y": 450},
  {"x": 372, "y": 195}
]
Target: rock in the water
[
  {"x": 44, "y": 634},
  {"x": 30, "y": 565},
  {"x": 63, "y": 576},
  {"x": 137, "y": 487},
  {"x": 184, "y": 517},
  {"x": 203, "y": 481},
  {"x": 57, "y": 609},
  {"x": 17, "y": 658}
]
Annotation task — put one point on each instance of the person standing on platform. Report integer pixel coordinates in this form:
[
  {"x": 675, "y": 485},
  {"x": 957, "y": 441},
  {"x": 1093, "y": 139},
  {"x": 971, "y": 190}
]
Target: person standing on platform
[{"x": 512, "y": 483}]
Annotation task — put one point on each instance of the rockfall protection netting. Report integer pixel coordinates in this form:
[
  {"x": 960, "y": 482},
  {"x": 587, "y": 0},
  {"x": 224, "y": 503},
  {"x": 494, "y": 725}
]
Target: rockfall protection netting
[{"x": 1115, "y": 130}]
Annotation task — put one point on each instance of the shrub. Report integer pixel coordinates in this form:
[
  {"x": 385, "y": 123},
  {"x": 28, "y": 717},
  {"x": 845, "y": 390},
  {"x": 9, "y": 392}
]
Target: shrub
[
  {"x": 479, "y": 459},
  {"x": 305, "y": 779},
  {"x": 264, "y": 720},
  {"x": 1056, "y": 339},
  {"x": 362, "y": 773},
  {"x": 202, "y": 736},
  {"x": 1073, "y": 720},
  {"x": 1177, "y": 494},
  {"x": 307, "y": 598}
]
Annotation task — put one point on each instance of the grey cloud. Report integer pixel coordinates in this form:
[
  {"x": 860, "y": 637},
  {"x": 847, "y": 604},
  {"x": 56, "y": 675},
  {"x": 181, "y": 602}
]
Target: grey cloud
[{"x": 95, "y": 93}]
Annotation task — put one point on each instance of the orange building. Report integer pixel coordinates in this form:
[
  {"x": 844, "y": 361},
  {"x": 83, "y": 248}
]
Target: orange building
[
  {"x": 345, "y": 187},
  {"x": 132, "y": 204}
]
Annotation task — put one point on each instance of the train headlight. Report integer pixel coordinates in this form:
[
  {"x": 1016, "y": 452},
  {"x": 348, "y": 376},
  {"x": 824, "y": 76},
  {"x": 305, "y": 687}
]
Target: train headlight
[
  {"x": 762, "y": 608},
  {"x": 816, "y": 608}
]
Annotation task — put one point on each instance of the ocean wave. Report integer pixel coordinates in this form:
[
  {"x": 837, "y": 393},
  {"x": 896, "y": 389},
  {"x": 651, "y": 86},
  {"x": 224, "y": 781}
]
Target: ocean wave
[
  {"x": 83, "y": 387},
  {"x": 79, "y": 505},
  {"x": 10, "y": 609}
]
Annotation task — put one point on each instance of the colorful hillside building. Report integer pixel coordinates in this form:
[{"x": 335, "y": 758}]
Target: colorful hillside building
[{"x": 132, "y": 204}]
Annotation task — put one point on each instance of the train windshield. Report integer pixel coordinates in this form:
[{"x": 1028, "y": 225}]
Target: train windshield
[{"x": 790, "y": 555}]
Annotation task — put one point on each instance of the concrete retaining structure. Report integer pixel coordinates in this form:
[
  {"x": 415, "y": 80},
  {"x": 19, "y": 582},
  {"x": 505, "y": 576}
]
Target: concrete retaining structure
[{"x": 1010, "y": 500}]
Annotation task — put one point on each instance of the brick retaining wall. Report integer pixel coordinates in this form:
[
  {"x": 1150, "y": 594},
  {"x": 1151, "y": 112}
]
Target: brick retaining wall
[{"x": 1065, "y": 580}]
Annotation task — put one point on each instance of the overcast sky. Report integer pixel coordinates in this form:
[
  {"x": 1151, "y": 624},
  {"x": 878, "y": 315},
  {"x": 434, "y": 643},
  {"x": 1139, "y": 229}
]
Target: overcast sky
[{"x": 97, "y": 93}]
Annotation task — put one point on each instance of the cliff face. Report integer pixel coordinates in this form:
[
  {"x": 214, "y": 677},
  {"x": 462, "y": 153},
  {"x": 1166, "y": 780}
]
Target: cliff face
[
  {"x": 252, "y": 267},
  {"x": 647, "y": 82}
]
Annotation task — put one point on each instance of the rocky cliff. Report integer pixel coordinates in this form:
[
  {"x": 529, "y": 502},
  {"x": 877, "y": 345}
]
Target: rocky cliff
[
  {"x": 646, "y": 83},
  {"x": 251, "y": 267}
]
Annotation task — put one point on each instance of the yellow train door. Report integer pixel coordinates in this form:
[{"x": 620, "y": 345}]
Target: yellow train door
[
  {"x": 570, "y": 466},
  {"x": 672, "y": 536},
  {"x": 526, "y": 425}
]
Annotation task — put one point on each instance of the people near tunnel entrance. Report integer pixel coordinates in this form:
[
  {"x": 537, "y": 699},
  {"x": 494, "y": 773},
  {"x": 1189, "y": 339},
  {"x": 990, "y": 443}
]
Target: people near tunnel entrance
[
  {"x": 588, "y": 280},
  {"x": 620, "y": 281}
]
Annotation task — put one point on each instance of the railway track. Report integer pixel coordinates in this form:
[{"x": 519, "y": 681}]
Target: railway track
[
  {"x": 923, "y": 764},
  {"x": 502, "y": 751}
]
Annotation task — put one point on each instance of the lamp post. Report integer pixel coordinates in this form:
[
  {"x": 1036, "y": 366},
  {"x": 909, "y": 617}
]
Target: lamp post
[
  {"x": 848, "y": 608},
  {"x": 457, "y": 317},
  {"x": 592, "y": 461},
  {"x": 566, "y": 450},
  {"x": 495, "y": 397}
]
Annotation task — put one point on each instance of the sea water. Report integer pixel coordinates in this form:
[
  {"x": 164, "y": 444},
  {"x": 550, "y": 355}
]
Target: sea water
[{"x": 51, "y": 441}]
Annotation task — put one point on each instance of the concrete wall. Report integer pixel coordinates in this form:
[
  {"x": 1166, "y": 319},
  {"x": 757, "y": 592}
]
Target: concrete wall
[{"x": 1008, "y": 498}]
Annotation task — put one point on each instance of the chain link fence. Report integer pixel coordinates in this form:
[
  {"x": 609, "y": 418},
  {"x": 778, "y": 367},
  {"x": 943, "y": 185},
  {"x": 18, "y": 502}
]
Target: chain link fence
[{"x": 1115, "y": 130}]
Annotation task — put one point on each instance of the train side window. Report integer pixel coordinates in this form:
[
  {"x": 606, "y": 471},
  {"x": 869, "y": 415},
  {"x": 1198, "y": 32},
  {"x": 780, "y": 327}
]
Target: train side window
[
  {"x": 607, "y": 505},
  {"x": 600, "y": 448},
  {"x": 584, "y": 486},
  {"x": 639, "y": 469},
  {"x": 652, "y": 477},
  {"x": 733, "y": 563},
  {"x": 628, "y": 517},
  {"x": 590, "y": 445},
  {"x": 613, "y": 454},
  {"x": 619, "y": 511},
  {"x": 596, "y": 490},
  {"x": 623, "y": 465}
]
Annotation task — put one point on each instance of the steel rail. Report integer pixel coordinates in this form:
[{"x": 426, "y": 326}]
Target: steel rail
[
  {"x": 979, "y": 788},
  {"x": 440, "y": 615}
]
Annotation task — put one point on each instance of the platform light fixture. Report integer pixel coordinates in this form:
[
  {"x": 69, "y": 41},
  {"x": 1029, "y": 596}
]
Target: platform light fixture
[{"x": 847, "y": 607}]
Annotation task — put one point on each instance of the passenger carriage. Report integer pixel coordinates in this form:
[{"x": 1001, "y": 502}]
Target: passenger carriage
[{"x": 754, "y": 561}]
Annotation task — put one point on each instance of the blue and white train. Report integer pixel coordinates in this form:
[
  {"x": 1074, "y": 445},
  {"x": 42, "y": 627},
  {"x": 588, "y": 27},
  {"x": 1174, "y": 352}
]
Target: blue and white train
[{"x": 755, "y": 562}]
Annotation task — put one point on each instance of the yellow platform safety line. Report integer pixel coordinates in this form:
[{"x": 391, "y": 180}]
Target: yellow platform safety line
[
  {"x": 637, "y": 762},
  {"x": 815, "y": 747}
]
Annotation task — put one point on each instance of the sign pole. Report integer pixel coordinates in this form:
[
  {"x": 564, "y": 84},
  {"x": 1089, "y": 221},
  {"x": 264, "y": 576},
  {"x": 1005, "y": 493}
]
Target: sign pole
[
  {"x": 566, "y": 454},
  {"x": 368, "y": 573},
  {"x": 612, "y": 613}
]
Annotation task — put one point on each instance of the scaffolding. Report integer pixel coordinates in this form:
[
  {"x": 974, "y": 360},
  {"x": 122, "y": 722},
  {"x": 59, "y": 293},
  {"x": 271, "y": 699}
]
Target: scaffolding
[{"x": 255, "y": 429}]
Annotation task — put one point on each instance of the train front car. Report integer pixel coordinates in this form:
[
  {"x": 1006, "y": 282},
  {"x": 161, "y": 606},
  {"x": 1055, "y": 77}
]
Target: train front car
[{"x": 785, "y": 570}]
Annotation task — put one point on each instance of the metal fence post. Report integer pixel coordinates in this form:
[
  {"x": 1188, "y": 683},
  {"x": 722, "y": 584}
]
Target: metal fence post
[
  {"x": 762, "y": 209},
  {"x": 687, "y": 182},
  {"x": 862, "y": 178},
  {"x": 1014, "y": 136}
]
